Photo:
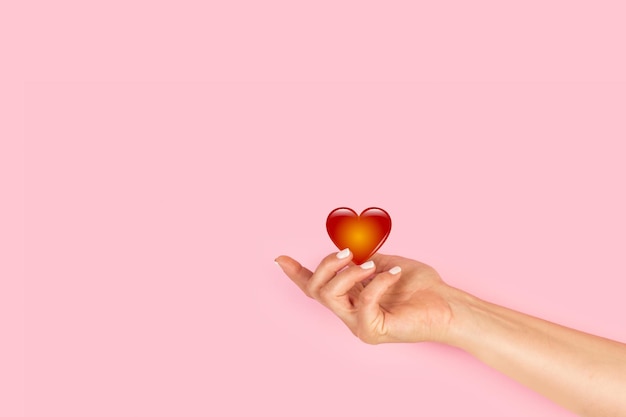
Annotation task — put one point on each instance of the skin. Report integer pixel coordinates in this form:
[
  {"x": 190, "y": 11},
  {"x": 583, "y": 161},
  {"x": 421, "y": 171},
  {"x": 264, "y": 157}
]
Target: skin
[{"x": 580, "y": 371}]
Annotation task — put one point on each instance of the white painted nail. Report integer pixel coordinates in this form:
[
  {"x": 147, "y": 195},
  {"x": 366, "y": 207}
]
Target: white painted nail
[
  {"x": 344, "y": 253},
  {"x": 395, "y": 270},
  {"x": 368, "y": 265}
]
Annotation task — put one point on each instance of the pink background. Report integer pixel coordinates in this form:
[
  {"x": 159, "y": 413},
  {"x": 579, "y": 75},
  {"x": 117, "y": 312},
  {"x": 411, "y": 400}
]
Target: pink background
[{"x": 172, "y": 151}]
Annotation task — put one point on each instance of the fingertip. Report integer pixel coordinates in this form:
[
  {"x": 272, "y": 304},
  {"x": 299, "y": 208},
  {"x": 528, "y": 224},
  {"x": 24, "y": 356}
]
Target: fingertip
[
  {"x": 380, "y": 283},
  {"x": 368, "y": 265},
  {"x": 286, "y": 262},
  {"x": 280, "y": 259},
  {"x": 344, "y": 253},
  {"x": 392, "y": 276},
  {"x": 342, "y": 258}
]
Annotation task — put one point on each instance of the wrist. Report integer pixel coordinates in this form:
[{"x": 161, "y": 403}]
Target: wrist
[{"x": 464, "y": 308}]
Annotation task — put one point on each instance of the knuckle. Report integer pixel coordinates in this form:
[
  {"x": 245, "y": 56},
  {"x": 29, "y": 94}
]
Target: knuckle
[
  {"x": 311, "y": 289},
  {"x": 367, "y": 297},
  {"x": 325, "y": 293},
  {"x": 328, "y": 260},
  {"x": 367, "y": 337}
]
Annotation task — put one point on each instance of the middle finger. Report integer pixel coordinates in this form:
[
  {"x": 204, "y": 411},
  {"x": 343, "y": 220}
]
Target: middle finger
[{"x": 335, "y": 293}]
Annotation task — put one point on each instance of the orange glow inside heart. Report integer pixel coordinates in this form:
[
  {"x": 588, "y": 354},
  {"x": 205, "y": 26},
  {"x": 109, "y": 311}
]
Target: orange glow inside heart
[{"x": 364, "y": 234}]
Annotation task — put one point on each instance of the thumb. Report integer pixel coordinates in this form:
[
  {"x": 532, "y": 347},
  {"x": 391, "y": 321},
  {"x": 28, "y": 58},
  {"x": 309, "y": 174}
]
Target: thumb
[
  {"x": 296, "y": 272},
  {"x": 371, "y": 318}
]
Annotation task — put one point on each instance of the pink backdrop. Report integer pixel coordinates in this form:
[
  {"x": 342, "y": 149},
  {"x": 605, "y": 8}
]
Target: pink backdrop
[{"x": 172, "y": 151}]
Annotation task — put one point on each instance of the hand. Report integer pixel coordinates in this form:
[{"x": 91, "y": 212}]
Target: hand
[
  {"x": 378, "y": 305},
  {"x": 381, "y": 303}
]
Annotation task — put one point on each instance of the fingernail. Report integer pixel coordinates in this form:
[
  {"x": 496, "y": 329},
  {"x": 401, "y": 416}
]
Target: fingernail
[
  {"x": 344, "y": 253},
  {"x": 395, "y": 270},
  {"x": 276, "y": 262},
  {"x": 368, "y": 265}
]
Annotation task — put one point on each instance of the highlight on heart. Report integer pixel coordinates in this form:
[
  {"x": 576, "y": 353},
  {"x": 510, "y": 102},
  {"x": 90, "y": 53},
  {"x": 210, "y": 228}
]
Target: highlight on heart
[{"x": 364, "y": 234}]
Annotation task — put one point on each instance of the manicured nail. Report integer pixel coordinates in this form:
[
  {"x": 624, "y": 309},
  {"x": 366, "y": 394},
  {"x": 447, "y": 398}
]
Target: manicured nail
[
  {"x": 368, "y": 265},
  {"x": 276, "y": 262},
  {"x": 344, "y": 253},
  {"x": 395, "y": 270}
]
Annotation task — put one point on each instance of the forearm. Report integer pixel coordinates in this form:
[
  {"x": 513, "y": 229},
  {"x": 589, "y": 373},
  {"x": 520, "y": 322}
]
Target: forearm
[{"x": 582, "y": 372}]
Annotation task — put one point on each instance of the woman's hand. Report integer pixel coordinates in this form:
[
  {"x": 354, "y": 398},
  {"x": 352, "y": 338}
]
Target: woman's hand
[
  {"x": 387, "y": 299},
  {"x": 383, "y": 303}
]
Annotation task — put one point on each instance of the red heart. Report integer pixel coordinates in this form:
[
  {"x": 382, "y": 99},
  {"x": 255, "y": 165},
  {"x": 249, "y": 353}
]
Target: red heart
[{"x": 363, "y": 234}]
